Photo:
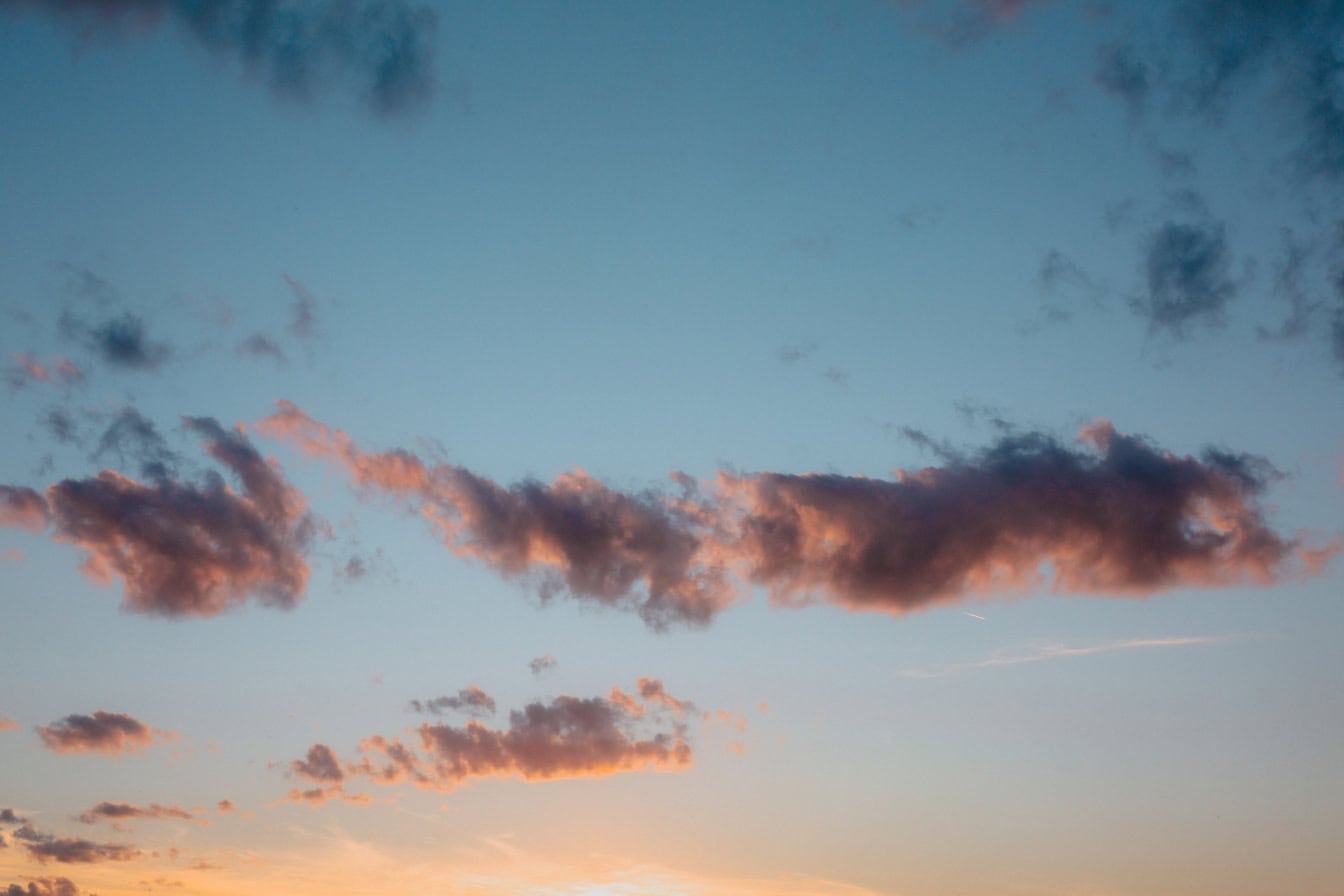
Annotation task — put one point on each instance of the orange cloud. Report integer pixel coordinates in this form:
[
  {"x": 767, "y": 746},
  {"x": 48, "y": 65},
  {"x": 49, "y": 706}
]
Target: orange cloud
[
  {"x": 568, "y": 737},
  {"x": 182, "y": 549},
  {"x": 8, "y": 724},
  {"x": 1111, "y": 515},
  {"x": 574, "y": 533},
  {"x": 103, "y": 732},
  {"x": 22, "y": 508}
]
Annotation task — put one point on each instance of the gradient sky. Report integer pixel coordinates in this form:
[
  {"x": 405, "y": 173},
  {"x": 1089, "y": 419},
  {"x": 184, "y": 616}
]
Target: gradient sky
[{"x": 855, "y": 449}]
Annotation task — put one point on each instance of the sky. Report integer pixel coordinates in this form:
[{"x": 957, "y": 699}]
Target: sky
[{"x": 632, "y": 449}]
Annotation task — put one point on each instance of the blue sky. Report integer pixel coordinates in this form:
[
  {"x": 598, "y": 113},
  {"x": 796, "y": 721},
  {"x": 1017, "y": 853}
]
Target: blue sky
[{"x": 784, "y": 249}]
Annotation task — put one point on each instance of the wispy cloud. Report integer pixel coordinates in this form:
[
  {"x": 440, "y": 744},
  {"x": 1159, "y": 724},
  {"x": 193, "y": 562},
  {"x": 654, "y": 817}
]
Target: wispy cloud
[
  {"x": 385, "y": 47},
  {"x": 1054, "y": 651}
]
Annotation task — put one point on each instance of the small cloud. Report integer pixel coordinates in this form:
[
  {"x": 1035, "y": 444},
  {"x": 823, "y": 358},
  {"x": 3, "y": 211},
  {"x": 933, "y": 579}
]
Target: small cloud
[
  {"x": 542, "y": 663},
  {"x": 470, "y": 700},
  {"x": 109, "y": 733},
  {"x": 259, "y": 345},
  {"x": 71, "y": 850},
  {"x": 1188, "y": 278},
  {"x": 792, "y": 354},
  {"x": 115, "y": 812}
]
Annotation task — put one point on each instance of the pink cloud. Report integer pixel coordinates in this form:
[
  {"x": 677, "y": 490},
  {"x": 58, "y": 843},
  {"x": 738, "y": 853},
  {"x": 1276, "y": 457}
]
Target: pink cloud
[
  {"x": 1112, "y": 514},
  {"x": 103, "y": 732},
  {"x": 182, "y": 549}
]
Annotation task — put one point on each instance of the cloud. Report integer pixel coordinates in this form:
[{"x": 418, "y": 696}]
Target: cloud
[
  {"x": 385, "y": 47},
  {"x": 1188, "y": 282},
  {"x": 7, "y": 815},
  {"x": 121, "y": 341},
  {"x": 103, "y": 732},
  {"x": 1121, "y": 72},
  {"x": 43, "y": 886},
  {"x": 25, "y": 368},
  {"x": 259, "y": 345},
  {"x": 8, "y": 724},
  {"x": 132, "y": 436},
  {"x": 470, "y": 700},
  {"x": 1043, "y": 652},
  {"x": 542, "y": 663},
  {"x": 303, "y": 322},
  {"x": 224, "y": 807},
  {"x": 49, "y": 848},
  {"x": 319, "y": 766},
  {"x": 22, "y": 508},
  {"x": 567, "y": 737},
  {"x": 182, "y": 549},
  {"x": 1117, "y": 516},
  {"x": 106, "y": 811},
  {"x": 574, "y": 534},
  {"x": 1112, "y": 515}
]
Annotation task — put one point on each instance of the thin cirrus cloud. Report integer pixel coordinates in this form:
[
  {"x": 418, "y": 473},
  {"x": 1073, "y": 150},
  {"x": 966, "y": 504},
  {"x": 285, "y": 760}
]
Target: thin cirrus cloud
[
  {"x": 385, "y": 47},
  {"x": 1046, "y": 652},
  {"x": 1111, "y": 515},
  {"x": 109, "y": 733},
  {"x": 180, "y": 549},
  {"x": 567, "y": 737},
  {"x": 70, "y": 850}
]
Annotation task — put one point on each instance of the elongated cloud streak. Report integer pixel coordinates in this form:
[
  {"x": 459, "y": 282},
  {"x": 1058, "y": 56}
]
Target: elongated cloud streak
[
  {"x": 1044, "y": 652},
  {"x": 1113, "y": 515},
  {"x": 114, "y": 812},
  {"x": 43, "y": 886},
  {"x": 182, "y": 549},
  {"x": 568, "y": 737},
  {"x": 71, "y": 850},
  {"x": 102, "y": 732},
  {"x": 575, "y": 533}
]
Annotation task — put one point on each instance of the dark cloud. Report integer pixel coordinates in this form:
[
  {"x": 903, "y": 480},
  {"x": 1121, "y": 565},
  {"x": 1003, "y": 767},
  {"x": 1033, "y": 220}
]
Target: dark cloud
[
  {"x": 179, "y": 548},
  {"x": 1188, "y": 279},
  {"x": 470, "y": 700},
  {"x": 319, "y": 766},
  {"x": 567, "y": 737},
  {"x": 541, "y": 664},
  {"x": 106, "y": 811},
  {"x": 1222, "y": 51},
  {"x": 224, "y": 807},
  {"x": 103, "y": 732},
  {"x": 133, "y": 437},
  {"x": 259, "y": 345},
  {"x": 1120, "y": 518},
  {"x": 7, "y": 816},
  {"x": 49, "y": 848},
  {"x": 303, "y": 320},
  {"x": 62, "y": 426},
  {"x": 792, "y": 354},
  {"x": 1337, "y": 335},
  {"x": 385, "y": 47},
  {"x": 43, "y": 886},
  {"x": 121, "y": 340},
  {"x": 1119, "y": 70},
  {"x": 1289, "y": 286},
  {"x": 1114, "y": 516}
]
